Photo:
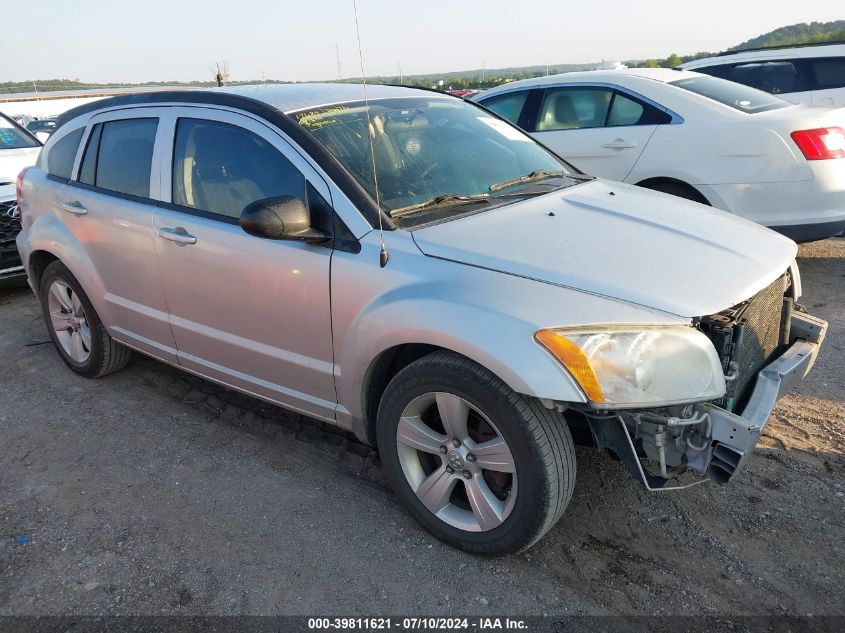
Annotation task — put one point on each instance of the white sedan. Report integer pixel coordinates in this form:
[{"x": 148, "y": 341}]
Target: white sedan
[
  {"x": 18, "y": 149},
  {"x": 695, "y": 136}
]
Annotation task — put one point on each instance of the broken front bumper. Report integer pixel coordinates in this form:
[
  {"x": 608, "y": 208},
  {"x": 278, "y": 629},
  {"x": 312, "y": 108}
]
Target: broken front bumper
[{"x": 708, "y": 439}]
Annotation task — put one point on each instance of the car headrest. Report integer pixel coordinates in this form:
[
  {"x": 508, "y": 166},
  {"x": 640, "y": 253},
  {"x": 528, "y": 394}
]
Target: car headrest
[{"x": 406, "y": 124}]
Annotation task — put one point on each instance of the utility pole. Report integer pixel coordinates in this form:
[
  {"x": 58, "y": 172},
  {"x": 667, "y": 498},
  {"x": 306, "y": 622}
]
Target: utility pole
[
  {"x": 337, "y": 54},
  {"x": 482, "y": 71},
  {"x": 400, "y": 73}
]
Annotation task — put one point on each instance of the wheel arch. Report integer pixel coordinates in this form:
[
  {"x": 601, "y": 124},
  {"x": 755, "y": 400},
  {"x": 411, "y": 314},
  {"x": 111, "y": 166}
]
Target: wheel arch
[
  {"x": 389, "y": 362},
  {"x": 381, "y": 371},
  {"x": 38, "y": 261},
  {"x": 657, "y": 181},
  {"x": 48, "y": 240}
]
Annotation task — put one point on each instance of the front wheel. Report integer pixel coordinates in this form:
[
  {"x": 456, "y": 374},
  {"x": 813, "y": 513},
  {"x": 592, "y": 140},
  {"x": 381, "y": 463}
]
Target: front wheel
[{"x": 480, "y": 466}]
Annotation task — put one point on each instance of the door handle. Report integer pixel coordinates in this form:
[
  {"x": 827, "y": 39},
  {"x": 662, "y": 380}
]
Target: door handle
[
  {"x": 178, "y": 235},
  {"x": 619, "y": 144},
  {"x": 75, "y": 207}
]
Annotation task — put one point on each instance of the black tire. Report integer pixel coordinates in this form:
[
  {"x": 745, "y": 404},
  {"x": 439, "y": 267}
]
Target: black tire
[
  {"x": 678, "y": 189},
  {"x": 539, "y": 440},
  {"x": 106, "y": 355}
]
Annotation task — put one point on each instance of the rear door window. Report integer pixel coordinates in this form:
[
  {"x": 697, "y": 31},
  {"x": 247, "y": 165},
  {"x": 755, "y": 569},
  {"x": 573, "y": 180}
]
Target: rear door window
[
  {"x": 63, "y": 153},
  {"x": 119, "y": 156},
  {"x": 221, "y": 168}
]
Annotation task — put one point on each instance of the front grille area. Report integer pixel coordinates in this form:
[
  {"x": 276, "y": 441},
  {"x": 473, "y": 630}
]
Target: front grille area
[
  {"x": 748, "y": 336},
  {"x": 9, "y": 229}
]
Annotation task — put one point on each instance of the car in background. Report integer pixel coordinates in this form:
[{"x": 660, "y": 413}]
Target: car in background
[
  {"x": 46, "y": 126},
  {"x": 450, "y": 290},
  {"x": 463, "y": 93},
  {"x": 22, "y": 119},
  {"x": 691, "y": 135},
  {"x": 18, "y": 149},
  {"x": 813, "y": 74}
]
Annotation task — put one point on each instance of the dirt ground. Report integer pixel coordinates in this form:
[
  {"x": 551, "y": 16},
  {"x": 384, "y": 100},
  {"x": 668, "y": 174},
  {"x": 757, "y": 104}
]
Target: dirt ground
[{"x": 153, "y": 492}]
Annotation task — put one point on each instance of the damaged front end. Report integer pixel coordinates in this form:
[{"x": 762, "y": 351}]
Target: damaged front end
[{"x": 766, "y": 346}]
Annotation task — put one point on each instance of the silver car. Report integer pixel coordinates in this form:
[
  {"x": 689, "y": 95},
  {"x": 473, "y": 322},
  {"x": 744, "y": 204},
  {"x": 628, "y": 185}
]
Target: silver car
[{"x": 424, "y": 274}]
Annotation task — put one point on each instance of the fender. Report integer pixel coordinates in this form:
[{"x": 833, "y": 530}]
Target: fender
[
  {"x": 490, "y": 317},
  {"x": 499, "y": 342},
  {"x": 48, "y": 234}
]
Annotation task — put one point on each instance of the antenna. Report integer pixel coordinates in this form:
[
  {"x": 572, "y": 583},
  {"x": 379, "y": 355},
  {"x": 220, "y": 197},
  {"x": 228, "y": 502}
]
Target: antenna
[
  {"x": 383, "y": 254},
  {"x": 337, "y": 54}
]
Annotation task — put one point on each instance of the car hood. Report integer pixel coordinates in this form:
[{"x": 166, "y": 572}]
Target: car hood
[
  {"x": 12, "y": 161},
  {"x": 622, "y": 242}
]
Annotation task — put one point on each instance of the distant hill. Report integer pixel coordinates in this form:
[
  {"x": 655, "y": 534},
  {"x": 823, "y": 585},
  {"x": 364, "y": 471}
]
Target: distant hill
[{"x": 803, "y": 33}]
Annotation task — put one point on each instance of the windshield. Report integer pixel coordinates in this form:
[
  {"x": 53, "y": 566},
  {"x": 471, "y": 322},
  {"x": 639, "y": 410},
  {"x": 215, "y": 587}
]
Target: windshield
[
  {"x": 13, "y": 137},
  {"x": 737, "y": 96},
  {"x": 435, "y": 156}
]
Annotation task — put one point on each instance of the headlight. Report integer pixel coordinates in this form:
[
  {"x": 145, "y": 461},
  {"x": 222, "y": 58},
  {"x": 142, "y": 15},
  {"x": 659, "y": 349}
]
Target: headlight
[{"x": 624, "y": 366}]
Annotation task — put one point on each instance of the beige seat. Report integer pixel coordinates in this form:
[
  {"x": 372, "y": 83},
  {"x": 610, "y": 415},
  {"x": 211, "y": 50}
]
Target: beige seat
[{"x": 559, "y": 115}]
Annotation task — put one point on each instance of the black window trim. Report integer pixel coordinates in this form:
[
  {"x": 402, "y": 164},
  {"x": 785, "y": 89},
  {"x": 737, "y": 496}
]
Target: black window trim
[
  {"x": 115, "y": 194},
  {"x": 98, "y": 129}
]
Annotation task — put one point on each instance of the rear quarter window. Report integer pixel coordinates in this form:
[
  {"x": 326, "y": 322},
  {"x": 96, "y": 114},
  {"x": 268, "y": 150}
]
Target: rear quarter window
[
  {"x": 829, "y": 72},
  {"x": 61, "y": 156},
  {"x": 775, "y": 77}
]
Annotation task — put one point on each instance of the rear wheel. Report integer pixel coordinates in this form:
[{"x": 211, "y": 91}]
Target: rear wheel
[
  {"x": 481, "y": 467},
  {"x": 77, "y": 333}
]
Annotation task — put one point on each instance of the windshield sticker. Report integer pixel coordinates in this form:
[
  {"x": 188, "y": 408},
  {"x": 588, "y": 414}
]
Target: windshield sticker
[
  {"x": 320, "y": 117},
  {"x": 7, "y": 138},
  {"x": 504, "y": 129}
]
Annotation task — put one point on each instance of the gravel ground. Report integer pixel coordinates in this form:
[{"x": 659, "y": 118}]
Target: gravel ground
[{"x": 153, "y": 492}]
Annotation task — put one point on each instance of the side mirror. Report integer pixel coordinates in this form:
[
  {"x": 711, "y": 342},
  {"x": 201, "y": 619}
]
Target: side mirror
[{"x": 280, "y": 218}]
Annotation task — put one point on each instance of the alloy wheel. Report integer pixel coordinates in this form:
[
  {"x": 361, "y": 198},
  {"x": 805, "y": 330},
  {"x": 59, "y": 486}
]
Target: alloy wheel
[
  {"x": 456, "y": 461},
  {"x": 69, "y": 322}
]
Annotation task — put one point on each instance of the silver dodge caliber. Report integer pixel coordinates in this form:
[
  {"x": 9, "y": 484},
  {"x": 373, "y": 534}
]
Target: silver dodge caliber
[{"x": 418, "y": 271}]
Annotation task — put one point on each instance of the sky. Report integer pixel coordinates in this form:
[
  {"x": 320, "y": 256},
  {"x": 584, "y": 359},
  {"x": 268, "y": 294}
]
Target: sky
[{"x": 177, "y": 40}]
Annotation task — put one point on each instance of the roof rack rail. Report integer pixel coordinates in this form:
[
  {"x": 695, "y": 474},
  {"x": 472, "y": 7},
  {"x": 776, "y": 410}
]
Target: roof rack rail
[{"x": 780, "y": 47}]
